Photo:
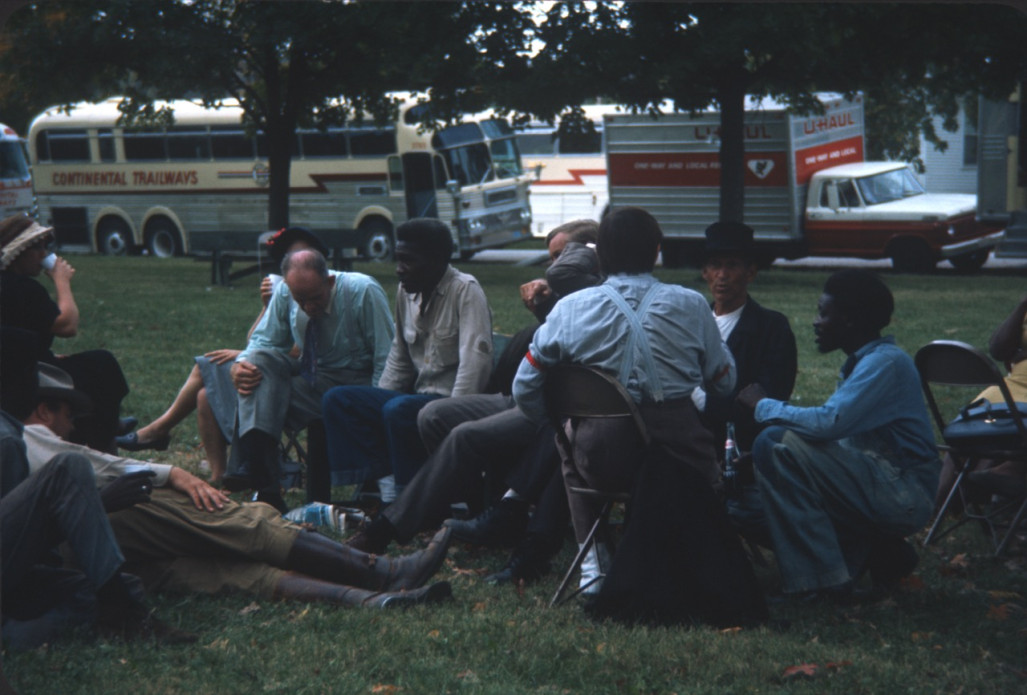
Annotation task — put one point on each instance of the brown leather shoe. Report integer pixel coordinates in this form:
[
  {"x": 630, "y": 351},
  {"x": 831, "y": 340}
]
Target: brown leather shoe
[{"x": 299, "y": 587}]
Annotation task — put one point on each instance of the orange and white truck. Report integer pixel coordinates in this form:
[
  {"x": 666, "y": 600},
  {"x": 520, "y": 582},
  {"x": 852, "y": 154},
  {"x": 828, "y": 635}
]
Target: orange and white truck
[{"x": 808, "y": 191}]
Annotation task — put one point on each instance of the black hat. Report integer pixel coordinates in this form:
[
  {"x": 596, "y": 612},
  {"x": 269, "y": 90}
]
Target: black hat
[
  {"x": 279, "y": 243},
  {"x": 56, "y": 383},
  {"x": 729, "y": 239}
]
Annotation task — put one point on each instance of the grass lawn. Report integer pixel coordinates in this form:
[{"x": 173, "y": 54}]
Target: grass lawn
[{"x": 960, "y": 627}]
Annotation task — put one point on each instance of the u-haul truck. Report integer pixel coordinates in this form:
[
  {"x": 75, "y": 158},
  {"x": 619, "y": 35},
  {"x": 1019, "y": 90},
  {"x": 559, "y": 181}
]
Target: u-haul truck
[{"x": 808, "y": 191}]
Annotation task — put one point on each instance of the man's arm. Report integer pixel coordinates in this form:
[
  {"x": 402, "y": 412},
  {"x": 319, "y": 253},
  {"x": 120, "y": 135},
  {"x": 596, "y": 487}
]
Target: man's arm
[
  {"x": 399, "y": 373},
  {"x": 273, "y": 331},
  {"x": 543, "y": 353},
  {"x": 855, "y": 407},
  {"x": 475, "y": 337},
  {"x": 1006, "y": 342}
]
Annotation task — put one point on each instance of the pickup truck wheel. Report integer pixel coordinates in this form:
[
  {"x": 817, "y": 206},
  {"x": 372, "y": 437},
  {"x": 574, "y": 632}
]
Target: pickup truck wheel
[
  {"x": 970, "y": 262},
  {"x": 912, "y": 257}
]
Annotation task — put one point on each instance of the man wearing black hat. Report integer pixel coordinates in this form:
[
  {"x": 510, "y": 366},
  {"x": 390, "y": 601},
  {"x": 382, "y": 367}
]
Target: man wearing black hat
[
  {"x": 59, "y": 503},
  {"x": 764, "y": 349}
]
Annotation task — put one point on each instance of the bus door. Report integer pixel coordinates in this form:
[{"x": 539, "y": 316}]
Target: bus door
[{"x": 420, "y": 185}]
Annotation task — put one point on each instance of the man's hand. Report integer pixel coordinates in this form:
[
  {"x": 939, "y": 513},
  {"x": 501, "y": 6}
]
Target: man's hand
[
  {"x": 127, "y": 490},
  {"x": 266, "y": 290},
  {"x": 751, "y": 395},
  {"x": 246, "y": 377},
  {"x": 221, "y": 356},
  {"x": 534, "y": 293},
  {"x": 203, "y": 495}
]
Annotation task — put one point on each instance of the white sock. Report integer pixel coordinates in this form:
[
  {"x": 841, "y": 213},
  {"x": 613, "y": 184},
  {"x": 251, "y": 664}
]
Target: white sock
[
  {"x": 387, "y": 488},
  {"x": 592, "y": 566}
]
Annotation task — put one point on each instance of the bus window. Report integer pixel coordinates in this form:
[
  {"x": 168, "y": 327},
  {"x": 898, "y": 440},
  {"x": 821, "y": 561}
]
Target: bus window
[
  {"x": 262, "y": 150},
  {"x": 370, "y": 143},
  {"x": 535, "y": 143},
  {"x": 230, "y": 142},
  {"x": 144, "y": 146},
  {"x": 64, "y": 145},
  {"x": 581, "y": 143},
  {"x": 331, "y": 143},
  {"x": 188, "y": 143},
  {"x": 105, "y": 137},
  {"x": 470, "y": 164},
  {"x": 506, "y": 158}
]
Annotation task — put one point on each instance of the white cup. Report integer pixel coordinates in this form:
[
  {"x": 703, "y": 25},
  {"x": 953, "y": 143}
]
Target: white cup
[{"x": 50, "y": 261}]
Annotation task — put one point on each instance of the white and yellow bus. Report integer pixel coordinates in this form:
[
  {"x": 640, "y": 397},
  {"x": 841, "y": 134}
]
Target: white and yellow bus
[
  {"x": 571, "y": 180},
  {"x": 117, "y": 189},
  {"x": 15, "y": 180}
]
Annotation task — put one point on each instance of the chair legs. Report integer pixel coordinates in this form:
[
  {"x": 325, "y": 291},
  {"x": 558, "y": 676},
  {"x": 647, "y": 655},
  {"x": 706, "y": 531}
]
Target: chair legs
[{"x": 591, "y": 541}]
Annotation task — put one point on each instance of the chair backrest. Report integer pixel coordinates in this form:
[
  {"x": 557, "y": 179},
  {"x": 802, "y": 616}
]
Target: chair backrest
[
  {"x": 574, "y": 390},
  {"x": 954, "y": 363}
]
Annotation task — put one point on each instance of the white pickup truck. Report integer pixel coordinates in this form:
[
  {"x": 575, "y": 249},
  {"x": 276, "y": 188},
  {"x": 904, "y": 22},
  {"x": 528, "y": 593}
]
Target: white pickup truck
[{"x": 880, "y": 210}]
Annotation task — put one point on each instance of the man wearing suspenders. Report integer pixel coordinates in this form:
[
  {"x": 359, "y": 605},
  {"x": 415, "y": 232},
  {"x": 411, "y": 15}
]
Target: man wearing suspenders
[{"x": 660, "y": 340}]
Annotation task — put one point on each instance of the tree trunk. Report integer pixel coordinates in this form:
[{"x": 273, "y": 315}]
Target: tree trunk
[
  {"x": 279, "y": 136},
  {"x": 731, "y": 96}
]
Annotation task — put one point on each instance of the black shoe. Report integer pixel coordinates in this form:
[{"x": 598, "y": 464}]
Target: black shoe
[
  {"x": 529, "y": 561},
  {"x": 891, "y": 559},
  {"x": 125, "y": 425},
  {"x": 844, "y": 594},
  {"x": 500, "y": 525},
  {"x": 237, "y": 482},
  {"x": 130, "y": 442},
  {"x": 273, "y": 496}
]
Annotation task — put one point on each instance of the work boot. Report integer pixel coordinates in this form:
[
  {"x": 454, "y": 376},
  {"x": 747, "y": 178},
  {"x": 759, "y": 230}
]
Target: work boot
[
  {"x": 501, "y": 524},
  {"x": 299, "y": 587},
  {"x": 890, "y": 560},
  {"x": 254, "y": 464},
  {"x": 318, "y": 556}
]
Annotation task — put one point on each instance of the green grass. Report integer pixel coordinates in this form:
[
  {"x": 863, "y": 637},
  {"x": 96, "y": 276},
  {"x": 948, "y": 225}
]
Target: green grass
[{"x": 963, "y": 630}]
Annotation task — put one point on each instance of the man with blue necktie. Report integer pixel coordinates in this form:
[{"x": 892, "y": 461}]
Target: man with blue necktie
[{"x": 342, "y": 323}]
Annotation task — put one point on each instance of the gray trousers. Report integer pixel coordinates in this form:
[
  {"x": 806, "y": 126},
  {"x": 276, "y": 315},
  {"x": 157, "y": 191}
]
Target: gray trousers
[
  {"x": 466, "y": 435},
  {"x": 284, "y": 398}
]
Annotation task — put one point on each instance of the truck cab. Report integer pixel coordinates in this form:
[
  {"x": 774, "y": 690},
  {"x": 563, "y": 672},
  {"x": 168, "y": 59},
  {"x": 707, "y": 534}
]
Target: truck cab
[{"x": 880, "y": 210}]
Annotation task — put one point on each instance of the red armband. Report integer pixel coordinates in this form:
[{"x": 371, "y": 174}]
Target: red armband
[{"x": 533, "y": 362}]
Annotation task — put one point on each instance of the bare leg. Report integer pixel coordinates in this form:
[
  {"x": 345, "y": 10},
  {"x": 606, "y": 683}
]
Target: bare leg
[
  {"x": 210, "y": 434},
  {"x": 184, "y": 403}
]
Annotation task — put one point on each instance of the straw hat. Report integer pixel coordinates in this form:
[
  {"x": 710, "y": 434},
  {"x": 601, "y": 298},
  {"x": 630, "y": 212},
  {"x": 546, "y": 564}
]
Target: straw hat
[{"x": 18, "y": 233}]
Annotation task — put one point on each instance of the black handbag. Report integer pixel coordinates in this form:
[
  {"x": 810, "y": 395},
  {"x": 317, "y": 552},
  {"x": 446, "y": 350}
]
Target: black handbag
[{"x": 985, "y": 425}]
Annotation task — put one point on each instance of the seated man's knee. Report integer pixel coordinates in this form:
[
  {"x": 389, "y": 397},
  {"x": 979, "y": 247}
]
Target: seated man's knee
[
  {"x": 402, "y": 409},
  {"x": 763, "y": 447}
]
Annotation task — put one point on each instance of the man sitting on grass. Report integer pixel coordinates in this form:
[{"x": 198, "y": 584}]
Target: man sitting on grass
[
  {"x": 190, "y": 536},
  {"x": 842, "y": 483}
]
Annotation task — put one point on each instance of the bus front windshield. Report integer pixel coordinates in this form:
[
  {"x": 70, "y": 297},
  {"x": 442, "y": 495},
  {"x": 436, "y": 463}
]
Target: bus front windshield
[
  {"x": 12, "y": 161},
  {"x": 471, "y": 159}
]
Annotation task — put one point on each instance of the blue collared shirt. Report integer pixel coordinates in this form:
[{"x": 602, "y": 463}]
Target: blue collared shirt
[
  {"x": 356, "y": 330},
  {"x": 588, "y": 328},
  {"x": 878, "y": 406}
]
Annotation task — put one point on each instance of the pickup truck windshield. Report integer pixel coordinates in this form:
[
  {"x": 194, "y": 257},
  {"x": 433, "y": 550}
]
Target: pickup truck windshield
[{"x": 889, "y": 186}]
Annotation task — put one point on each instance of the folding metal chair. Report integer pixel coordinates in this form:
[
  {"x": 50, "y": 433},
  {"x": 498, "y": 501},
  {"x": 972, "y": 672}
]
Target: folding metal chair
[
  {"x": 953, "y": 363},
  {"x": 574, "y": 391}
]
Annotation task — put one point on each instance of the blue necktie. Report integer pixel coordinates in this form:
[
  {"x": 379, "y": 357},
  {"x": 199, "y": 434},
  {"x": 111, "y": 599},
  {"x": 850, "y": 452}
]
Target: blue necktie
[{"x": 308, "y": 358}]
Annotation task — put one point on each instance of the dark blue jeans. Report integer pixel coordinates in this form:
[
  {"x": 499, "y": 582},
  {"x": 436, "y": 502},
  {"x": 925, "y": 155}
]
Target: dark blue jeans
[{"x": 372, "y": 432}]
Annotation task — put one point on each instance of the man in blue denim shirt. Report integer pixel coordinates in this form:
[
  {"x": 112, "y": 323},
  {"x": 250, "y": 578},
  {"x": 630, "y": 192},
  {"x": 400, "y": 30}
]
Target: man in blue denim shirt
[{"x": 844, "y": 482}]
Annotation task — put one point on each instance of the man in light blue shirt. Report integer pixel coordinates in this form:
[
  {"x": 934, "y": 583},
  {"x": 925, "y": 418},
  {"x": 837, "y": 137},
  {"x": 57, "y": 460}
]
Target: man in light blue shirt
[
  {"x": 660, "y": 340},
  {"x": 342, "y": 324},
  {"x": 844, "y": 482}
]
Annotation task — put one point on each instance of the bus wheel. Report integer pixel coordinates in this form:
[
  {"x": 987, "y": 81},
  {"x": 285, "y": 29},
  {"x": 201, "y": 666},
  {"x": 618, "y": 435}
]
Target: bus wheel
[
  {"x": 162, "y": 238},
  {"x": 970, "y": 262},
  {"x": 912, "y": 256},
  {"x": 113, "y": 237},
  {"x": 377, "y": 245}
]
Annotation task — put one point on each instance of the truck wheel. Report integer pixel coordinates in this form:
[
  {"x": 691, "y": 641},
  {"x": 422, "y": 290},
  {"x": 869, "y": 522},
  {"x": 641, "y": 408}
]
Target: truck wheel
[
  {"x": 912, "y": 257},
  {"x": 162, "y": 239},
  {"x": 970, "y": 262},
  {"x": 113, "y": 237},
  {"x": 378, "y": 244}
]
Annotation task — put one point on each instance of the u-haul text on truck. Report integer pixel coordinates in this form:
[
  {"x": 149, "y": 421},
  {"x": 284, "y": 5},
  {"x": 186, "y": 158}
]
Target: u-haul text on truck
[
  {"x": 808, "y": 191},
  {"x": 15, "y": 179}
]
